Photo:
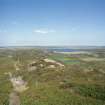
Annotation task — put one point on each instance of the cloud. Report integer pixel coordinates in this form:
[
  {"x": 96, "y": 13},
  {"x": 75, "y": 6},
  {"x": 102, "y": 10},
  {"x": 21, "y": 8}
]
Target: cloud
[{"x": 40, "y": 31}]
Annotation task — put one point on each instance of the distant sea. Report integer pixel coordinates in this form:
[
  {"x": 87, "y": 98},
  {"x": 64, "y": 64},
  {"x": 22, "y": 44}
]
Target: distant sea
[{"x": 63, "y": 50}]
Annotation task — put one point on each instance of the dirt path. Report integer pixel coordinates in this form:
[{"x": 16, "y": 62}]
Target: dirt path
[
  {"x": 14, "y": 98},
  {"x": 19, "y": 85}
]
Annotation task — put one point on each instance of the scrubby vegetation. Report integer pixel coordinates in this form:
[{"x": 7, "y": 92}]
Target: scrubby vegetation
[{"x": 78, "y": 82}]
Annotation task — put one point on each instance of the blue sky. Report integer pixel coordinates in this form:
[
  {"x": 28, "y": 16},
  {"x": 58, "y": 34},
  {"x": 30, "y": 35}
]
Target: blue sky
[{"x": 52, "y": 22}]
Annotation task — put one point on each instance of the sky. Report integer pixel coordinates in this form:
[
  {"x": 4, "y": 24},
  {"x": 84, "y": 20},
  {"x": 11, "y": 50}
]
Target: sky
[{"x": 52, "y": 22}]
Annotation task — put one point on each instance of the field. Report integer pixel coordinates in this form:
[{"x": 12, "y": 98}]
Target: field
[
  {"x": 35, "y": 76},
  {"x": 64, "y": 59}
]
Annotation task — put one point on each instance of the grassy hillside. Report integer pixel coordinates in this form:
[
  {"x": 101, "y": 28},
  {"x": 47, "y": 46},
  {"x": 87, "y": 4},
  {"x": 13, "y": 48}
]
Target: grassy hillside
[{"x": 78, "y": 82}]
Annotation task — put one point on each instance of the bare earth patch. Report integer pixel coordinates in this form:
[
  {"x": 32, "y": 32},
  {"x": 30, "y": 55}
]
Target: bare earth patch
[
  {"x": 53, "y": 61},
  {"x": 51, "y": 67},
  {"x": 19, "y": 85}
]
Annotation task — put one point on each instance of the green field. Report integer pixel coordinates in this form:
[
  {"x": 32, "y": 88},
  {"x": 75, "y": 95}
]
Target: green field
[{"x": 64, "y": 59}]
